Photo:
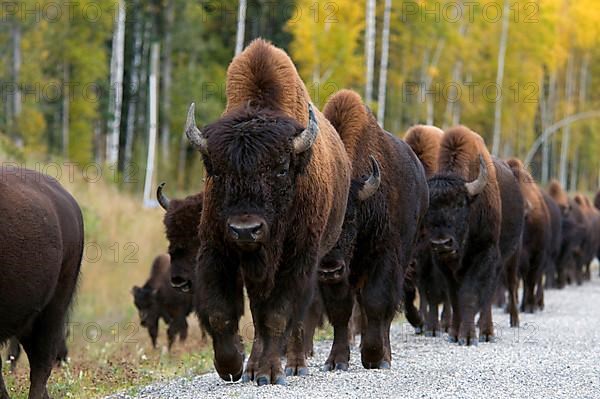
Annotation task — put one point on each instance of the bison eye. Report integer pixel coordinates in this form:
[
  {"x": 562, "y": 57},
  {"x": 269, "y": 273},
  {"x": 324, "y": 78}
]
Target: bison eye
[{"x": 282, "y": 170}]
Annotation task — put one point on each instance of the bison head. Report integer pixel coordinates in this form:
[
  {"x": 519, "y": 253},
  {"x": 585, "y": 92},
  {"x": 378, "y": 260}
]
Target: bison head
[
  {"x": 450, "y": 201},
  {"x": 334, "y": 266},
  {"x": 252, "y": 158},
  {"x": 181, "y": 224},
  {"x": 144, "y": 299}
]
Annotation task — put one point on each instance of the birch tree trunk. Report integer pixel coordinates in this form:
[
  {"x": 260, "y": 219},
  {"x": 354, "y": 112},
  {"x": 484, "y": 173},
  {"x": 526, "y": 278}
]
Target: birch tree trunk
[
  {"x": 116, "y": 85},
  {"x": 241, "y": 27},
  {"x": 500, "y": 78},
  {"x": 428, "y": 79},
  {"x": 153, "y": 117},
  {"x": 134, "y": 88},
  {"x": 166, "y": 80},
  {"x": 369, "y": 50},
  {"x": 564, "y": 150},
  {"x": 385, "y": 52},
  {"x": 452, "y": 116}
]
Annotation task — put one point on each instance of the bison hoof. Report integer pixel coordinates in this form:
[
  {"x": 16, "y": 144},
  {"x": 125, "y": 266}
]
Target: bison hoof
[
  {"x": 263, "y": 380},
  {"x": 432, "y": 333},
  {"x": 467, "y": 341},
  {"x": 487, "y": 338},
  {"x": 246, "y": 378},
  {"x": 299, "y": 371},
  {"x": 418, "y": 330},
  {"x": 384, "y": 365},
  {"x": 341, "y": 366},
  {"x": 452, "y": 339},
  {"x": 331, "y": 366}
]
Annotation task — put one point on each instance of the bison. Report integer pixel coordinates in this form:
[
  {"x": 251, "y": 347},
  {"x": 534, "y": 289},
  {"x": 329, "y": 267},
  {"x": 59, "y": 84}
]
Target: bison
[
  {"x": 156, "y": 299},
  {"x": 573, "y": 236},
  {"x": 592, "y": 223},
  {"x": 537, "y": 238},
  {"x": 41, "y": 242},
  {"x": 386, "y": 204},
  {"x": 474, "y": 225},
  {"x": 425, "y": 142},
  {"x": 555, "y": 245},
  {"x": 277, "y": 182}
]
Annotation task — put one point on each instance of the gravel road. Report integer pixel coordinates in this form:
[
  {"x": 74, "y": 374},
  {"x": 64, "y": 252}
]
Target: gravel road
[{"x": 555, "y": 354}]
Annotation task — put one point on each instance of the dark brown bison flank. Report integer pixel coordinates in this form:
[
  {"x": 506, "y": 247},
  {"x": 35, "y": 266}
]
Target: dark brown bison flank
[
  {"x": 556, "y": 242},
  {"x": 48, "y": 221},
  {"x": 375, "y": 247},
  {"x": 156, "y": 300},
  {"x": 181, "y": 226},
  {"x": 537, "y": 238},
  {"x": 463, "y": 224},
  {"x": 269, "y": 159},
  {"x": 425, "y": 142},
  {"x": 591, "y": 219}
]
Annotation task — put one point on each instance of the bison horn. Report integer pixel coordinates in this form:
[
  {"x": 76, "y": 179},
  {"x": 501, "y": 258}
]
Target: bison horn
[
  {"x": 306, "y": 139},
  {"x": 371, "y": 184},
  {"x": 192, "y": 132},
  {"x": 162, "y": 199},
  {"x": 476, "y": 186}
]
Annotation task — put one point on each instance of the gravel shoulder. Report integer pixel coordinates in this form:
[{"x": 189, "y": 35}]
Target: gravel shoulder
[{"x": 554, "y": 354}]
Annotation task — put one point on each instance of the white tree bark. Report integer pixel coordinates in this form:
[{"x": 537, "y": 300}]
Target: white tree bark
[
  {"x": 369, "y": 50},
  {"x": 241, "y": 27},
  {"x": 116, "y": 85},
  {"x": 153, "y": 117},
  {"x": 385, "y": 52},
  {"x": 500, "y": 78}
]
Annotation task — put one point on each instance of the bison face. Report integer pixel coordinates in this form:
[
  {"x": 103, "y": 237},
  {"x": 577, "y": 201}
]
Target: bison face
[
  {"x": 447, "y": 220},
  {"x": 145, "y": 301},
  {"x": 253, "y": 159},
  {"x": 183, "y": 261},
  {"x": 334, "y": 266}
]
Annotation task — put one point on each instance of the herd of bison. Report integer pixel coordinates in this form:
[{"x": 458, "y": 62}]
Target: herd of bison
[{"x": 315, "y": 214}]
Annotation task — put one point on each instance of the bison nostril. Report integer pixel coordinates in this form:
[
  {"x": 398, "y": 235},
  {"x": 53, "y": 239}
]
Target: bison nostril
[{"x": 252, "y": 232}]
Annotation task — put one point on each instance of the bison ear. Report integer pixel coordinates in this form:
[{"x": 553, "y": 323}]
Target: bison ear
[
  {"x": 154, "y": 292},
  {"x": 307, "y": 137},
  {"x": 135, "y": 290}
]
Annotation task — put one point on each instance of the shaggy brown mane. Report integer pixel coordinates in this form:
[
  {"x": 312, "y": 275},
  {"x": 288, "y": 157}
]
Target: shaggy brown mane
[
  {"x": 425, "y": 141},
  {"x": 558, "y": 194},
  {"x": 531, "y": 192},
  {"x": 349, "y": 116},
  {"x": 182, "y": 218},
  {"x": 459, "y": 154},
  {"x": 266, "y": 77}
]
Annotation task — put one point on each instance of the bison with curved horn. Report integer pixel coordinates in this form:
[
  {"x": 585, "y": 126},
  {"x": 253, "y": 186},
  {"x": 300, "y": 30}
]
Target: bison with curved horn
[
  {"x": 274, "y": 202},
  {"x": 41, "y": 247},
  {"x": 474, "y": 224},
  {"x": 375, "y": 248}
]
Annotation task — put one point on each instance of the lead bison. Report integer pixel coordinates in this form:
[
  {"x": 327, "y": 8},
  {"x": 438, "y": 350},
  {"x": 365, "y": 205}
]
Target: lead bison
[
  {"x": 425, "y": 142},
  {"x": 274, "y": 202},
  {"x": 41, "y": 246},
  {"x": 382, "y": 220},
  {"x": 470, "y": 238},
  {"x": 156, "y": 299}
]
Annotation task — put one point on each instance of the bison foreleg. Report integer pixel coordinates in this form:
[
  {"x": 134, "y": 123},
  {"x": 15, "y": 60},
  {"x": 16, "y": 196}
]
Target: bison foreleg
[
  {"x": 3, "y": 392},
  {"x": 338, "y": 300},
  {"x": 217, "y": 301}
]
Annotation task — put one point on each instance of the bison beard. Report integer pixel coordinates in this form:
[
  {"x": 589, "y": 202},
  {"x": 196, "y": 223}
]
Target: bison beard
[
  {"x": 39, "y": 217},
  {"x": 274, "y": 203}
]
